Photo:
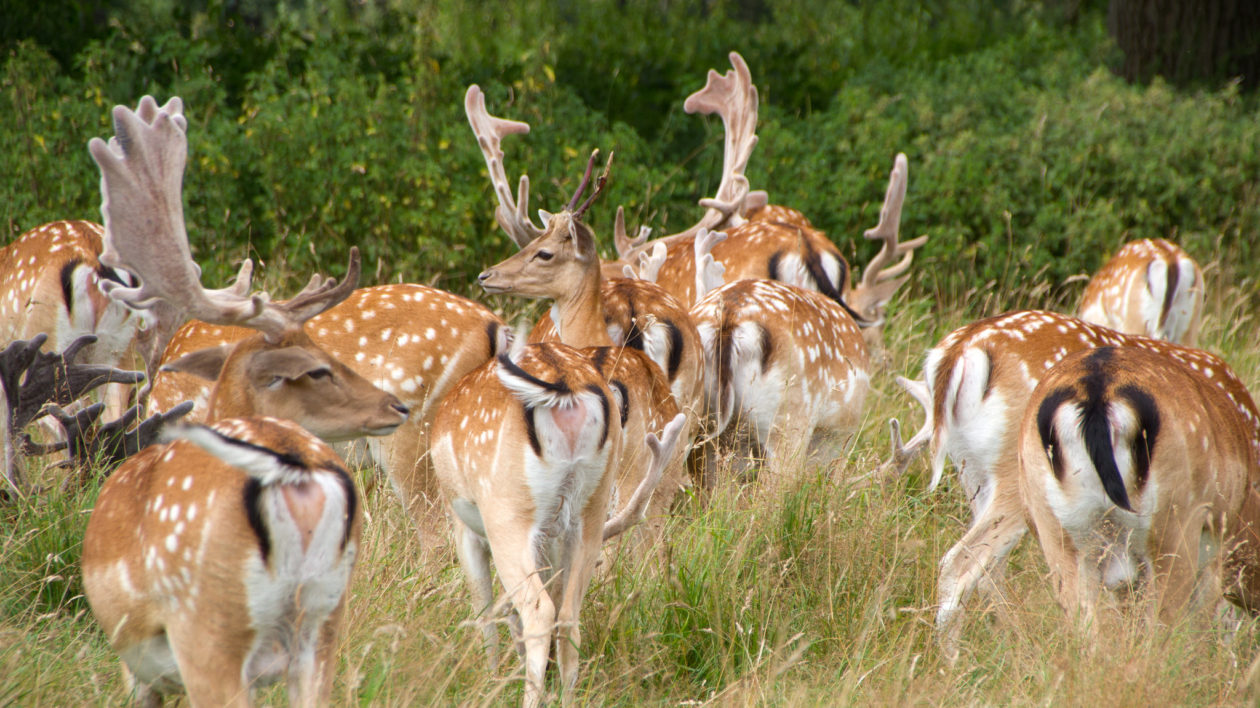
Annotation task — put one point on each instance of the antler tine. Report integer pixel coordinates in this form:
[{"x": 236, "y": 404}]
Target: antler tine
[
  {"x": 586, "y": 179},
  {"x": 599, "y": 183},
  {"x": 513, "y": 216},
  {"x": 625, "y": 244},
  {"x": 320, "y": 294},
  {"x": 887, "y": 231},
  {"x": 142, "y": 169},
  {"x": 733, "y": 97}
]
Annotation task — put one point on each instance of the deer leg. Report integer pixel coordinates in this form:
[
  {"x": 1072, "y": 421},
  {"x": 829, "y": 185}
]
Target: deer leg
[
  {"x": 474, "y": 556},
  {"x": 211, "y": 671},
  {"x": 1176, "y": 564},
  {"x": 971, "y": 561},
  {"x": 583, "y": 554},
  {"x": 313, "y": 660},
  {"x": 516, "y": 559}
]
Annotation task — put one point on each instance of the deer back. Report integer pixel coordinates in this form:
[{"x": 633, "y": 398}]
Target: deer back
[{"x": 1150, "y": 287}]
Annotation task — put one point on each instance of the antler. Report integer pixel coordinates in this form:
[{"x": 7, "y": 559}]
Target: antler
[
  {"x": 733, "y": 97},
  {"x": 586, "y": 179},
  {"x": 513, "y": 216},
  {"x": 709, "y": 271},
  {"x": 902, "y": 455},
  {"x": 625, "y": 245},
  {"x": 142, "y": 168},
  {"x": 877, "y": 271}
]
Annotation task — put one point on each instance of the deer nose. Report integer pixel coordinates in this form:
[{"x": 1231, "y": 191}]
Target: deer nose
[
  {"x": 402, "y": 409},
  {"x": 485, "y": 275}
]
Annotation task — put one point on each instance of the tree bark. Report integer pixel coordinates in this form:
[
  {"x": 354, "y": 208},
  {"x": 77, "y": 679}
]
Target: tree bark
[{"x": 1188, "y": 42}]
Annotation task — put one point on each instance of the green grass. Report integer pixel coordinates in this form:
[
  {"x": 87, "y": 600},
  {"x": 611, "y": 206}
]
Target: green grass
[{"x": 818, "y": 592}]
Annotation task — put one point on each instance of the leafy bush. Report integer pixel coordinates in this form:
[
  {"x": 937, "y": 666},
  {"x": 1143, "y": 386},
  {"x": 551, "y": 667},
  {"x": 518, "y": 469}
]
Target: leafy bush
[{"x": 313, "y": 128}]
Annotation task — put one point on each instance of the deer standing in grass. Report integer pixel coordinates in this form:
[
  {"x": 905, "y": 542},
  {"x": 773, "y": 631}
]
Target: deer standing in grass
[
  {"x": 1138, "y": 469},
  {"x": 1150, "y": 287},
  {"x": 526, "y": 449},
  {"x": 769, "y": 241},
  {"x": 655, "y": 340},
  {"x": 976, "y": 385},
  {"x": 224, "y": 571}
]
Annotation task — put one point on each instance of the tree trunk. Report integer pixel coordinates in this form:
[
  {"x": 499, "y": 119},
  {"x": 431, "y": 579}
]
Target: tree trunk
[{"x": 1188, "y": 41}]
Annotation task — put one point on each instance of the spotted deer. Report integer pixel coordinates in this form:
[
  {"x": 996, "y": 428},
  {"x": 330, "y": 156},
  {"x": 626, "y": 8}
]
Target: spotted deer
[
  {"x": 526, "y": 449},
  {"x": 562, "y": 264},
  {"x": 412, "y": 341},
  {"x": 291, "y": 547},
  {"x": 1150, "y": 287},
  {"x": 1140, "y": 470},
  {"x": 790, "y": 368},
  {"x": 976, "y": 385},
  {"x": 219, "y": 562},
  {"x": 595, "y": 311},
  {"x": 766, "y": 241}
]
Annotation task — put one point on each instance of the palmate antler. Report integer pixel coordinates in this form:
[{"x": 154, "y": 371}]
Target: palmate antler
[
  {"x": 734, "y": 98},
  {"x": 513, "y": 216},
  {"x": 879, "y": 279},
  {"x": 142, "y": 169}
]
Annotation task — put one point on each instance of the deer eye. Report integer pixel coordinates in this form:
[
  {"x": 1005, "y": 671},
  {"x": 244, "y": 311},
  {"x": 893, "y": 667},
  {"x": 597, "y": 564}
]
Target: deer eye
[
  {"x": 318, "y": 374},
  {"x": 544, "y": 255}
]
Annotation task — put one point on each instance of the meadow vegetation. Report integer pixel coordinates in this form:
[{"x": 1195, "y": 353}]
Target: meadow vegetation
[{"x": 316, "y": 128}]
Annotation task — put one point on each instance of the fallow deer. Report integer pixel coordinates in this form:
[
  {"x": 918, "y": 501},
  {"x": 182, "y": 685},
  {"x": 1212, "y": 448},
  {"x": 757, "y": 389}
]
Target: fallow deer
[
  {"x": 525, "y": 449},
  {"x": 1138, "y": 469},
  {"x": 562, "y": 264},
  {"x": 220, "y": 562},
  {"x": 284, "y": 549},
  {"x": 1150, "y": 287},
  {"x": 789, "y": 368},
  {"x": 413, "y": 341},
  {"x": 776, "y": 242},
  {"x": 633, "y": 312},
  {"x": 977, "y": 382}
]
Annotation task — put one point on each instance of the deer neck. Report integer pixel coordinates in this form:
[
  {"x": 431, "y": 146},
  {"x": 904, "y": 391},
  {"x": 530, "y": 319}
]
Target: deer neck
[{"x": 579, "y": 314}]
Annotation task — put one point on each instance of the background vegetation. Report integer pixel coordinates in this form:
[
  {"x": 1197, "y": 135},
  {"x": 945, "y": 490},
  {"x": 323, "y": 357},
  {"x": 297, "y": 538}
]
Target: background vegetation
[{"x": 315, "y": 127}]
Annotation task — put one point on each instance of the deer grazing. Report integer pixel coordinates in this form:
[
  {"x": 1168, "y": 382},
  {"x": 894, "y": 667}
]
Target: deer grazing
[
  {"x": 201, "y": 575},
  {"x": 1150, "y": 287},
  {"x": 1140, "y": 469},
  {"x": 776, "y": 242},
  {"x": 975, "y": 388},
  {"x": 526, "y": 449},
  {"x": 789, "y": 369}
]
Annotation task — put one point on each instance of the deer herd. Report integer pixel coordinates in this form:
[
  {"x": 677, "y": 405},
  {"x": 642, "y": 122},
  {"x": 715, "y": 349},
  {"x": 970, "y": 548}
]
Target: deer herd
[{"x": 218, "y": 558}]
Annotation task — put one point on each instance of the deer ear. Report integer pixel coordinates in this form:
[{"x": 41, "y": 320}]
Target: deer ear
[{"x": 206, "y": 363}]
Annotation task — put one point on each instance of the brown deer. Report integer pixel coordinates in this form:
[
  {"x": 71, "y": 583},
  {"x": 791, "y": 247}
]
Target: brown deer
[
  {"x": 1150, "y": 287},
  {"x": 976, "y": 385},
  {"x": 1138, "y": 469},
  {"x": 268, "y": 600},
  {"x": 413, "y": 341},
  {"x": 526, "y": 449},
  {"x": 603, "y": 311}
]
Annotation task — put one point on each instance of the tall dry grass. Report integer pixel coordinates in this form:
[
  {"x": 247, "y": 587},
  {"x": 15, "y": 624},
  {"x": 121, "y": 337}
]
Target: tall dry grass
[{"x": 817, "y": 592}]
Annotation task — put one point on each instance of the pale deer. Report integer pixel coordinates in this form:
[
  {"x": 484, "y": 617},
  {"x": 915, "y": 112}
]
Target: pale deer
[
  {"x": 589, "y": 310},
  {"x": 976, "y": 385},
  {"x": 563, "y": 264},
  {"x": 223, "y": 565},
  {"x": 790, "y": 370},
  {"x": 776, "y": 242},
  {"x": 278, "y": 371},
  {"x": 525, "y": 449},
  {"x": 413, "y": 341},
  {"x": 1150, "y": 287},
  {"x": 1139, "y": 470}
]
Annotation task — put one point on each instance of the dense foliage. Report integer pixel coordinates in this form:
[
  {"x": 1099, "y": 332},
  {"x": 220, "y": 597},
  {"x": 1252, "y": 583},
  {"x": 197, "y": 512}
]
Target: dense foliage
[{"x": 316, "y": 127}]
